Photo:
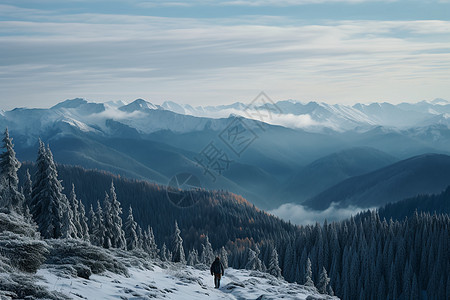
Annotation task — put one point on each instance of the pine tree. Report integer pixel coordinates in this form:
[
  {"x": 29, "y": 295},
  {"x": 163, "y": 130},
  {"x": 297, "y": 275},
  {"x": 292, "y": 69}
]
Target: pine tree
[
  {"x": 415, "y": 292},
  {"x": 163, "y": 253},
  {"x": 177, "y": 246},
  {"x": 288, "y": 263},
  {"x": 254, "y": 263},
  {"x": 48, "y": 203},
  {"x": 169, "y": 255},
  {"x": 9, "y": 163},
  {"x": 224, "y": 257},
  {"x": 92, "y": 222},
  {"x": 192, "y": 259},
  {"x": 83, "y": 222},
  {"x": 447, "y": 289},
  {"x": 140, "y": 237},
  {"x": 308, "y": 273},
  {"x": 75, "y": 215},
  {"x": 203, "y": 256},
  {"x": 407, "y": 281},
  {"x": 207, "y": 256},
  {"x": 150, "y": 245},
  {"x": 68, "y": 228},
  {"x": 98, "y": 231},
  {"x": 130, "y": 231},
  {"x": 274, "y": 268},
  {"x": 117, "y": 235},
  {"x": 324, "y": 282},
  {"x": 27, "y": 188},
  {"x": 9, "y": 182},
  {"x": 107, "y": 222}
]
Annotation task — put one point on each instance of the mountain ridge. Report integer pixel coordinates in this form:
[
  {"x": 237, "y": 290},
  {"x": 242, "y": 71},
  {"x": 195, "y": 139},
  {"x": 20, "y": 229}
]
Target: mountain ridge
[{"x": 423, "y": 174}]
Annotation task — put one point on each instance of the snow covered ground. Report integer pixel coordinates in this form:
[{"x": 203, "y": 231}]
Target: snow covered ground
[{"x": 172, "y": 281}]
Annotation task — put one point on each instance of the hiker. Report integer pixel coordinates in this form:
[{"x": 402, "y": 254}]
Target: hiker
[{"x": 217, "y": 270}]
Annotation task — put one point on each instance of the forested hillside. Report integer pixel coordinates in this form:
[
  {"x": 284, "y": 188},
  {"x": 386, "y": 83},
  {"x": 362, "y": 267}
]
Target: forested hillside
[
  {"x": 222, "y": 215},
  {"x": 439, "y": 203}
]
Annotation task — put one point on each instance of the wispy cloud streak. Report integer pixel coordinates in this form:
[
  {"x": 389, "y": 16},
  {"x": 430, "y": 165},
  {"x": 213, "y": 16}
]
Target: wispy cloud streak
[{"x": 218, "y": 60}]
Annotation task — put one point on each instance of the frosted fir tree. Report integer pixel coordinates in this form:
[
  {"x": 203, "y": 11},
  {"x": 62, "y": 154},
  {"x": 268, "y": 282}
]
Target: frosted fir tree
[
  {"x": 324, "y": 286},
  {"x": 177, "y": 246},
  {"x": 254, "y": 263},
  {"x": 202, "y": 258},
  {"x": 74, "y": 205},
  {"x": 83, "y": 221},
  {"x": 117, "y": 235},
  {"x": 48, "y": 203},
  {"x": 92, "y": 222},
  {"x": 9, "y": 163},
  {"x": 223, "y": 257},
  {"x": 308, "y": 274},
  {"x": 140, "y": 236},
  {"x": 11, "y": 197},
  {"x": 98, "y": 230},
  {"x": 107, "y": 222},
  {"x": 67, "y": 229},
  {"x": 207, "y": 256},
  {"x": 274, "y": 268},
  {"x": 192, "y": 259},
  {"x": 149, "y": 244},
  {"x": 163, "y": 253},
  {"x": 27, "y": 188},
  {"x": 169, "y": 255},
  {"x": 130, "y": 231},
  {"x": 29, "y": 217}
]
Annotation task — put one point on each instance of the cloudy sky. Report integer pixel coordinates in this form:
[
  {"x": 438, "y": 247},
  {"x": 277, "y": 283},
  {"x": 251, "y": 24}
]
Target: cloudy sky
[{"x": 215, "y": 52}]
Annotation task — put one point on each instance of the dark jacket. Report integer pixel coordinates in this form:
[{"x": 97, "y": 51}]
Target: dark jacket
[{"x": 217, "y": 267}]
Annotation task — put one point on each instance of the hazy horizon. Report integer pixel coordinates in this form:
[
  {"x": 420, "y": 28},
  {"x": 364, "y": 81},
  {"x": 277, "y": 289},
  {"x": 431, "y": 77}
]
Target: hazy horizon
[{"x": 10, "y": 106}]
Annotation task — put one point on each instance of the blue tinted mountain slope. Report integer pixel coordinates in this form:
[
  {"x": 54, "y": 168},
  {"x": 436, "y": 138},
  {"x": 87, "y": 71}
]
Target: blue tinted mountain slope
[
  {"x": 401, "y": 143},
  {"x": 424, "y": 174},
  {"x": 332, "y": 169},
  {"x": 277, "y": 150}
]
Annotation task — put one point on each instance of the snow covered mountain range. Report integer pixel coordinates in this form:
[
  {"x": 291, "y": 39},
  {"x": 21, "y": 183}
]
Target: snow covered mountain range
[
  {"x": 317, "y": 115},
  {"x": 155, "y": 142},
  {"x": 312, "y": 116}
]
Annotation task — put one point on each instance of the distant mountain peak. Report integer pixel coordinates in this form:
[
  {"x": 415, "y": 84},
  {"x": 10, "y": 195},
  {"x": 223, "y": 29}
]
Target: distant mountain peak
[
  {"x": 71, "y": 103},
  {"x": 173, "y": 106},
  {"x": 139, "y": 104},
  {"x": 116, "y": 103},
  {"x": 439, "y": 101}
]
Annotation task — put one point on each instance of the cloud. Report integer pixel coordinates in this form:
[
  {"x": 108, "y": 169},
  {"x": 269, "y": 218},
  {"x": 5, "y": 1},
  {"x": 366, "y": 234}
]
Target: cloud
[
  {"x": 219, "y": 60},
  {"x": 286, "y": 120},
  {"x": 302, "y": 215}
]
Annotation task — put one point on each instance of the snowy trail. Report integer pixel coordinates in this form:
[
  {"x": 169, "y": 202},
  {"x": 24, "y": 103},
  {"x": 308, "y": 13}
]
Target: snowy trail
[
  {"x": 142, "y": 284},
  {"x": 178, "y": 283}
]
